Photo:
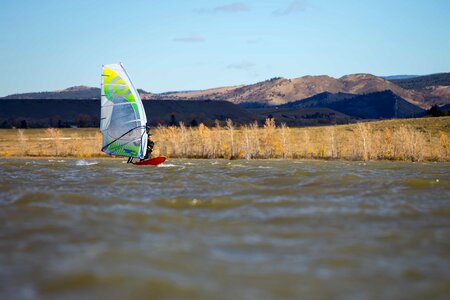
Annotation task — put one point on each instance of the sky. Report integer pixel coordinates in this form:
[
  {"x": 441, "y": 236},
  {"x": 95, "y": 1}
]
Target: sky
[{"x": 177, "y": 45}]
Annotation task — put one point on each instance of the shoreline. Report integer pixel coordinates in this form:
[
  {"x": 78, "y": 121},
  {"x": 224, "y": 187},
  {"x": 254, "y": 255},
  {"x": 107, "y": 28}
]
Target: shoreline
[{"x": 72, "y": 158}]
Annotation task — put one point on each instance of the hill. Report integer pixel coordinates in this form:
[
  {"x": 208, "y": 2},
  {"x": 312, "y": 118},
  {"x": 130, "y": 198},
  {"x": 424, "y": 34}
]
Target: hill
[
  {"x": 86, "y": 113},
  {"x": 274, "y": 91},
  {"x": 420, "y": 82},
  {"x": 296, "y": 117},
  {"x": 422, "y": 91},
  {"x": 378, "y": 105},
  {"x": 445, "y": 107},
  {"x": 435, "y": 88},
  {"x": 279, "y": 90},
  {"x": 195, "y": 112},
  {"x": 319, "y": 100},
  {"x": 75, "y": 92},
  {"x": 38, "y": 113}
]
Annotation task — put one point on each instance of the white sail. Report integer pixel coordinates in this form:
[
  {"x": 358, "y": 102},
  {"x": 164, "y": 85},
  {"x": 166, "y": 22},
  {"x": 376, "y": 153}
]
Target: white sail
[{"x": 123, "y": 116}]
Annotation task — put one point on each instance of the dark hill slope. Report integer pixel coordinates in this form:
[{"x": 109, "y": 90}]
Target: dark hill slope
[
  {"x": 195, "y": 111},
  {"x": 294, "y": 117},
  {"x": 319, "y": 100},
  {"x": 445, "y": 107},
  {"x": 86, "y": 113},
  {"x": 379, "y": 105}
]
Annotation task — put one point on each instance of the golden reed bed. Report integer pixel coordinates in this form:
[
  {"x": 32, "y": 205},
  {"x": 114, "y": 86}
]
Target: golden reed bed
[{"x": 425, "y": 139}]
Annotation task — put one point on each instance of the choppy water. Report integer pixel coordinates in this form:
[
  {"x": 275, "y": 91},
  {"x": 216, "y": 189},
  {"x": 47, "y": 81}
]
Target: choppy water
[{"x": 224, "y": 230}]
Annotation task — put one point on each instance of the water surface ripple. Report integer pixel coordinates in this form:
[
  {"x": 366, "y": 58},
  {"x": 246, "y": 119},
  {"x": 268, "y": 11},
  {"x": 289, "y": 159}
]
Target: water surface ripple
[{"x": 212, "y": 229}]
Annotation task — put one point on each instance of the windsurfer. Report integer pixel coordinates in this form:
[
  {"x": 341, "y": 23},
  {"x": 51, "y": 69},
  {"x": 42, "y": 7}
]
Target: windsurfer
[{"x": 150, "y": 145}]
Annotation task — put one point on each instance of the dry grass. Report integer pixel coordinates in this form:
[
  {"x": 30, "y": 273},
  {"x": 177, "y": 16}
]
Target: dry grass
[
  {"x": 50, "y": 142},
  {"x": 407, "y": 140}
]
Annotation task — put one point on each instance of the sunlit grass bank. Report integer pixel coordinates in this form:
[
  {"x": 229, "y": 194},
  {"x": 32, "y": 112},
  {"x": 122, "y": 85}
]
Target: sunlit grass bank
[{"x": 408, "y": 140}]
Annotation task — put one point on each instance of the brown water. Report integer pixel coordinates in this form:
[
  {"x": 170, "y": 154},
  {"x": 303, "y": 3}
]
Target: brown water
[{"x": 224, "y": 230}]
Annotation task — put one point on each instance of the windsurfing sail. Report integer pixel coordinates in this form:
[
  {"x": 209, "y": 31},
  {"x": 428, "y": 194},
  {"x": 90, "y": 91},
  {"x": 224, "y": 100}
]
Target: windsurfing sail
[{"x": 123, "y": 118}]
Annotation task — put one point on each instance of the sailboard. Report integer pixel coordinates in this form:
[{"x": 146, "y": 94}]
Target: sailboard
[
  {"x": 152, "y": 161},
  {"x": 122, "y": 118}
]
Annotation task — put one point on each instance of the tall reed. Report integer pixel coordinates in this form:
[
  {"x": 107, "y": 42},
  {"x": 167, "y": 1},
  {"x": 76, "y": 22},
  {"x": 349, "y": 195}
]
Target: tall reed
[
  {"x": 23, "y": 142},
  {"x": 54, "y": 138}
]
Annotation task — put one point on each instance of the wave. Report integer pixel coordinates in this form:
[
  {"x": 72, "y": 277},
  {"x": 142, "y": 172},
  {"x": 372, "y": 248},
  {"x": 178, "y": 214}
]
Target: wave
[
  {"x": 26, "y": 198},
  {"x": 214, "y": 203},
  {"x": 167, "y": 165},
  {"x": 236, "y": 165},
  {"x": 85, "y": 163}
]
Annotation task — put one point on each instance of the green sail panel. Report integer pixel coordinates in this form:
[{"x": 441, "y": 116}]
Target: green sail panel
[{"x": 123, "y": 118}]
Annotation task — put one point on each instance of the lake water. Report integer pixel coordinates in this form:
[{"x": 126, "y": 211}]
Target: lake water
[{"x": 215, "y": 229}]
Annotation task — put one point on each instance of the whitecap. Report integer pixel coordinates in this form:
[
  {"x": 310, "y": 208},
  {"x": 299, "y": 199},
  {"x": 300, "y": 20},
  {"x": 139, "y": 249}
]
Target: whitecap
[
  {"x": 58, "y": 160},
  {"x": 264, "y": 167},
  {"x": 167, "y": 166},
  {"x": 85, "y": 163}
]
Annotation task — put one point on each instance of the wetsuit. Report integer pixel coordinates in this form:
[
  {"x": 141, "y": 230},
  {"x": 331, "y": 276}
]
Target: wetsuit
[{"x": 150, "y": 145}]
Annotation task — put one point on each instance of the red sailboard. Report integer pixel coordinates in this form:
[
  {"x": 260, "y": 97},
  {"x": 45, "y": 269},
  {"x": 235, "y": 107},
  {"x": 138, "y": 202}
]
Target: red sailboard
[{"x": 152, "y": 161}]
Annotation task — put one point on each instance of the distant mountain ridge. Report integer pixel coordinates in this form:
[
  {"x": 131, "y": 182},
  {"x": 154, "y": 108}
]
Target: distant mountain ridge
[
  {"x": 420, "y": 82},
  {"x": 76, "y": 92},
  {"x": 80, "y": 92},
  {"x": 395, "y": 77},
  {"x": 422, "y": 91}
]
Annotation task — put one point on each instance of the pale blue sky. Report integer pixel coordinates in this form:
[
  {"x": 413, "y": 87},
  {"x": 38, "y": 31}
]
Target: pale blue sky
[{"x": 186, "y": 45}]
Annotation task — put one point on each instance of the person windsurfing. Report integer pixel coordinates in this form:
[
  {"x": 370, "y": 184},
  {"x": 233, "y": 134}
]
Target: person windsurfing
[{"x": 150, "y": 145}]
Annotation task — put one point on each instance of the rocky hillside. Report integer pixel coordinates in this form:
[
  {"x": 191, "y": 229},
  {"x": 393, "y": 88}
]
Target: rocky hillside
[
  {"x": 435, "y": 88},
  {"x": 420, "y": 82},
  {"x": 278, "y": 91}
]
